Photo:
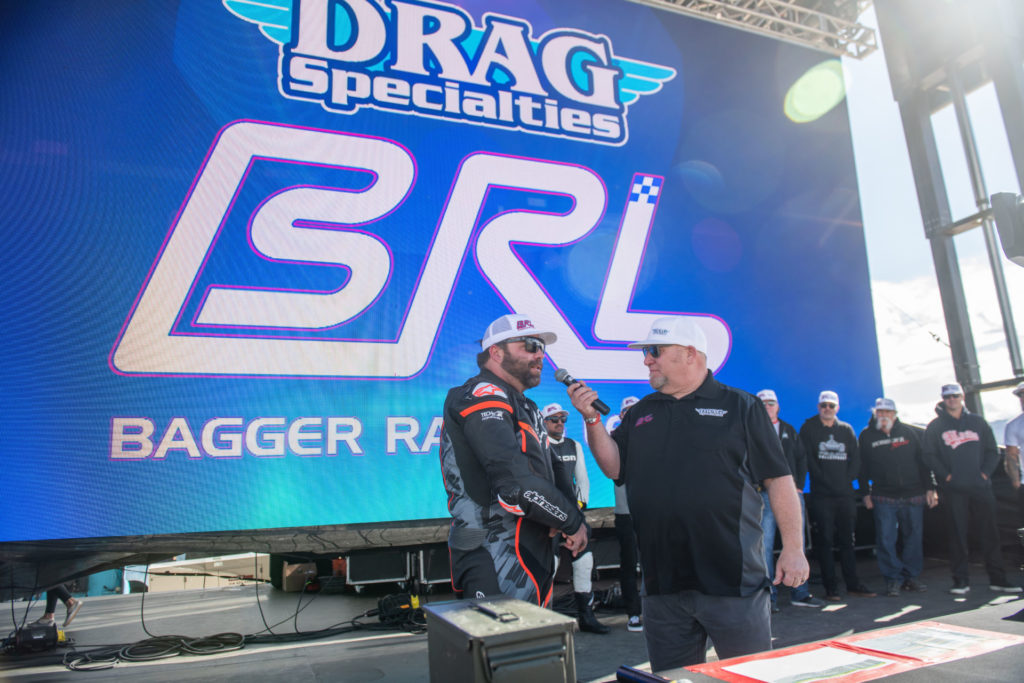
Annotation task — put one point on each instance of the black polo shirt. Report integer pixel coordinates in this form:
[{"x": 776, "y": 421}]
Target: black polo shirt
[{"x": 690, "y": 466}]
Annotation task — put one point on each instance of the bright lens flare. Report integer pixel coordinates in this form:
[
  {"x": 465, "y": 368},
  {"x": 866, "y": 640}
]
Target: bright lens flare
[{"x": 816, "y": 92}]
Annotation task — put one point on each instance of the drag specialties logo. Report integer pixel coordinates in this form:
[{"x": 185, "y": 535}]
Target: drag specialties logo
[{"x": 432, "y": 59}]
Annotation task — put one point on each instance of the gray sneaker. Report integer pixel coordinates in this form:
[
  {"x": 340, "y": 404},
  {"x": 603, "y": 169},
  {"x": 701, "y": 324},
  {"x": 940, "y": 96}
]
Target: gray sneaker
[
  {"x": 635, "y": 624},
  {"x": 914, "y": 586},
  {"x": 999, "y": 588},
  {"x": 892, "y": 589},
  {"x": 809, "y": 601}
]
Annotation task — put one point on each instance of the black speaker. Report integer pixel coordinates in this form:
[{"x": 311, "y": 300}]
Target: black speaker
[
  {"x": 1008, "y": 210},
  {"x": 377, "y": 566},
  {"x": 435, "y": 564}
]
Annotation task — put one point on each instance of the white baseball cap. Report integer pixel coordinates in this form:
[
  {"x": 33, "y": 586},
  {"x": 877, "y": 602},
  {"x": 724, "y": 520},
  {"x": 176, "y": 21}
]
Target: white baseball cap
[
  {"x": 767, "y": 395},
  {"x": 828, "y": 397},
  {"x": 674, "y": 329},
  {"x": 1019, "y": 390},
  {"x": 885, "y": 404},
  {"x": 514, "y": 325},
  {"x": 630, "y": 400},
  {"x": 552, "y": 409},
  {"x": 952, "y": 389}
]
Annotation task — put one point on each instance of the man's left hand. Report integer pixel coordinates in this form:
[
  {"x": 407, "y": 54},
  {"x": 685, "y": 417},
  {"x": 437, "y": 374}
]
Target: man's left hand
[
  {"x": 791, "y": 569},
  {"x": 577, "y": 542}
]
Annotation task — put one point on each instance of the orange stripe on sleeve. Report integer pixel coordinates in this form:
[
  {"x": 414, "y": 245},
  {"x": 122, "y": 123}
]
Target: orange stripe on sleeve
[{"x": 486, "y": 404}]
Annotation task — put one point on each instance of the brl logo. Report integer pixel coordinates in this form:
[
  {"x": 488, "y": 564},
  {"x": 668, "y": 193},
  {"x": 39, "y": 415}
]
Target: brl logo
[{"x": 234, "y": 329}]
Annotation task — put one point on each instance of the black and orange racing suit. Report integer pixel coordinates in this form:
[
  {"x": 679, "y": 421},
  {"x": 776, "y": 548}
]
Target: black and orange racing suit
[{"x": 502, "y": 496}]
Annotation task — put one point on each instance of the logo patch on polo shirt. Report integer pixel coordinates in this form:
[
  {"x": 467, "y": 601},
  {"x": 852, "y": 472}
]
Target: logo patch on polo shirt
[
  {"x": 711, "y": 412},
  {"x": 643, "y": 420},
  {"x": 488, "y": 389}
]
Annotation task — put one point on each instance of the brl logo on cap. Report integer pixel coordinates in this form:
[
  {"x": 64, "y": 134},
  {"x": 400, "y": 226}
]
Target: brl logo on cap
[{"x": 524, "y": 324}]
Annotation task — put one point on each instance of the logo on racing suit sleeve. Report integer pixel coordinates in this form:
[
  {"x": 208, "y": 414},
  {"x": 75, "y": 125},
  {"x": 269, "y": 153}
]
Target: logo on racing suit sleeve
[{"x": 488, "y": 389}]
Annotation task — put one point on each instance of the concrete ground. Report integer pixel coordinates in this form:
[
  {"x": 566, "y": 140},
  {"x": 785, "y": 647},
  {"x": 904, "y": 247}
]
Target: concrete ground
[{"x": 374, "y": 653}]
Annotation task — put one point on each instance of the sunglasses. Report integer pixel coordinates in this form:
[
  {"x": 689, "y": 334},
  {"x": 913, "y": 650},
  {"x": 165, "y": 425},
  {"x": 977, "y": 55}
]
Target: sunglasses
[
  {"x": 827, "y": 405},
  {"x": 652, "y": 351},
  {"x": 555, "y": 419},
  {"x": 530, "y": 344}
]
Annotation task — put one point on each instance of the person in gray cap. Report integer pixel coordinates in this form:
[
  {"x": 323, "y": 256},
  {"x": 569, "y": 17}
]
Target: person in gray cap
[
  {"x": 499, "y": 474},
  {"x": 961, "y": 450},
  {"x": 833, "y": 463},
  {"x": 571, "y": 478},
  {"x": 899, "y": 485},
  {"x": 691, "y": 455},
  {"x": 800, "y": 596}
]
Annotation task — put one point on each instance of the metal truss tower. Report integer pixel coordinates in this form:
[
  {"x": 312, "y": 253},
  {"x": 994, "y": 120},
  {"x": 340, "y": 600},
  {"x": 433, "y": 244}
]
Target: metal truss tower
[{"x": 827, "y": 25}]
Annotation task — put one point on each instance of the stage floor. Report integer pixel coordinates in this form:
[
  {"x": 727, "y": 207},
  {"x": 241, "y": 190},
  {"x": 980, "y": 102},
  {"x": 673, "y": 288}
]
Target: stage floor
[{"x": 399, "y": 656}]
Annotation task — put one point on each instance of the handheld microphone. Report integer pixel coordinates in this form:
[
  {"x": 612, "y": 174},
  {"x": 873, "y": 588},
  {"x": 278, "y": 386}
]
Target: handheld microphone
[{"x": 568, "y": 380}]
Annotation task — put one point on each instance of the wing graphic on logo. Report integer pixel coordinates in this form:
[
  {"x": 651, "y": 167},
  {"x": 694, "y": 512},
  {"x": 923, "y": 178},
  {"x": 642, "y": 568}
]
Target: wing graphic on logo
[
  {"x": 274, "y": 17},
  {"x": 640, "y": 78}
]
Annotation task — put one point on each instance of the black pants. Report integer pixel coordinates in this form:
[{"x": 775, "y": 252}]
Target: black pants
[
  {"x": 832, "y": 523},
  {"x": 53, "y": 595},
  {"x": 628, "y": 557},
  {"x": 977, "y": 503}
]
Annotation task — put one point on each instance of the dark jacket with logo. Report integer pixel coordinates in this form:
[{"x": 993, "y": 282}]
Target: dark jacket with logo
[
  {"x": 833, "y": 459},
  {"x": 964, "y": 448},
  {"x": 892, "y": 464}
]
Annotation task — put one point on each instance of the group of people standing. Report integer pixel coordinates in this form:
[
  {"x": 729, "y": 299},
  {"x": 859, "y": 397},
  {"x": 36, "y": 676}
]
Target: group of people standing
[
  {"x": 709, "y": 472},
  {"x": 901, "y": 470}
]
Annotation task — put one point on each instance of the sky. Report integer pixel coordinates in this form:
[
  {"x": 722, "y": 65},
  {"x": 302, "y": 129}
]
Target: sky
[{"x": 912, "y": 340}]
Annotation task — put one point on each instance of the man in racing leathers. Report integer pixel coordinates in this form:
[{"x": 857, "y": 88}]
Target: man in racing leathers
[{"x": 498, "y": 472}]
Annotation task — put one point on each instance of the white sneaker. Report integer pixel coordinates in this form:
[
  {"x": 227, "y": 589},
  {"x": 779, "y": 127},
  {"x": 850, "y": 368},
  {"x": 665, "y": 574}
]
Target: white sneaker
[
  {"x": 635, "y": 624},
  {"x": 1005, "y": 589},
  {"x": 72, "y": 611}
]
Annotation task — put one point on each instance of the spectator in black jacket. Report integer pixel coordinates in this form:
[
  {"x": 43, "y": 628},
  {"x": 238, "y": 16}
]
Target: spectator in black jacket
[
  {"x": 800, "y": 596},
  {"x": 961, "y": 450},
  {"x": 899, "y": 485},
  {"x": 833, "y": 463}
]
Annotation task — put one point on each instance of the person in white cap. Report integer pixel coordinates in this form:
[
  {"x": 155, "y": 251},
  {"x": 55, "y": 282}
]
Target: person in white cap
[
  {"x": 499, "y": 474},
  {"x": 625, "y": 533},
  {"x": 899, "y": 486},
  {"x": 800, "y": 596},
  {"x": 690, "y": 455},
  {"x": 571, "y": 477},
  {"x": 833, "y": 463},
  {"x": 961, "y": 450}
]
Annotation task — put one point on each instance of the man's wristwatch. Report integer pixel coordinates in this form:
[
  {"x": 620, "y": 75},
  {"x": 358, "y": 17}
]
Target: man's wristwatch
[{"x": 592, "y": 420}]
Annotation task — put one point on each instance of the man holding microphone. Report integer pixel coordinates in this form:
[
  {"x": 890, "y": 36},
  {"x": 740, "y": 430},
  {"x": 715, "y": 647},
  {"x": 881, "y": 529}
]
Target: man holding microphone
[{"x": 691, "y": 455}]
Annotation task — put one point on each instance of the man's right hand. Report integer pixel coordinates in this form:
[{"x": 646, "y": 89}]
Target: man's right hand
[
  {"x": 582, "y": 398},
  {"x": 577, "y": 542},
  {"x": 867, "y": 502}
]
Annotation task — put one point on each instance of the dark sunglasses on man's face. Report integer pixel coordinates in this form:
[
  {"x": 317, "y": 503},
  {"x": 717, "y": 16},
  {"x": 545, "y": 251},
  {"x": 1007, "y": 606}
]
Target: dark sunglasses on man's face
[
  {"x": 530, "y": 344},
  {"x": 826, "y": 405},
  {"x": 560, "y": 418},
  {"x": 652, "y": 351}
]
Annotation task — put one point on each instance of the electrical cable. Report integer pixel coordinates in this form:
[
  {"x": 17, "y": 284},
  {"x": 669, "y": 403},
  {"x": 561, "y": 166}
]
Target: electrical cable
[{"x": 395, "y": 611}]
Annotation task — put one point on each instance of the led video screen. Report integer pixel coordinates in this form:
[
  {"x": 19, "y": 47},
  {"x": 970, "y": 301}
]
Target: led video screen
[{"x": 248, "y": 246}]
